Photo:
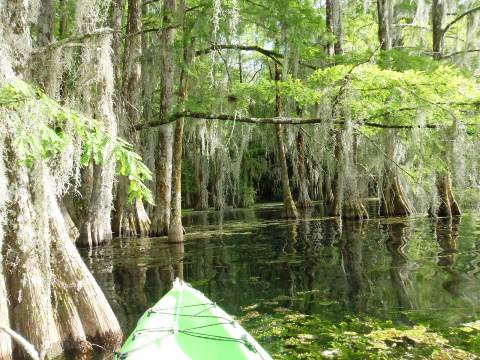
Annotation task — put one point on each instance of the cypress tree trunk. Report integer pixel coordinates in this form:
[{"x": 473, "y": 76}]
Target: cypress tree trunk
[
  {"x": 93, "y": 96},
  {"x": 46, "y": 292},
  {"x": 164, "y": 155},
  {"x": 289, "y": 208},
  {"x": 385, "y": 17},
  {"x": 57, "y": 304},
  {"x": 336, "y": 209},
  {"x": 219, "y": 180},
  {"x": 304, "y": 200},
  {"x": 393, "y": 198},
  {"x": 175, "y": 231},
  {"x": 201, "y": 172},
  {"x": 394, "y": 201},
  {"x": 62, "y": 28},
  {"x": 46, "y": 23},
  {"x": 334, "y": 26},
  {"x": 438, "y": 14},
  {"x": 131, "y": 219},
  {"x": 448, "y": 204}
]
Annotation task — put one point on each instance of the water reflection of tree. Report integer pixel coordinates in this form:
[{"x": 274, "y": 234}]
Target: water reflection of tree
[
  {"x": 310, "y": 236},
  {"x": 398, "y": 235},
  {"x": 446, "y": 232},
  {"x": 290, "y": 252},
  {"x": 352, "y": 259}
]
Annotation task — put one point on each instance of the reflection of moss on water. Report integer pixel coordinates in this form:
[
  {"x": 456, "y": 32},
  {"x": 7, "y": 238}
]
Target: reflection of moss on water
[{"x": 301, "y": 336}]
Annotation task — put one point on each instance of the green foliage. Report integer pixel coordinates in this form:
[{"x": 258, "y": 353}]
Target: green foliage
[{"x": 43, "y": 129}]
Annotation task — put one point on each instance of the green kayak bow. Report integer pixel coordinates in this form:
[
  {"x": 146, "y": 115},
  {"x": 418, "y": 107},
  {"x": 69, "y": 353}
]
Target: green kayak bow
[{"x": 186, "y": 325}]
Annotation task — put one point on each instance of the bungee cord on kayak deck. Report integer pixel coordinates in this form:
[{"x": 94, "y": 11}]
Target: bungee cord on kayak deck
[{"x": 171, "y": 331}]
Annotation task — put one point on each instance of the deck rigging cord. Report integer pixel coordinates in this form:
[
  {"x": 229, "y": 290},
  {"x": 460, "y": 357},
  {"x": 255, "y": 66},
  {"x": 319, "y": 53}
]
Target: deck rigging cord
[{"x": 189, "y": 331}]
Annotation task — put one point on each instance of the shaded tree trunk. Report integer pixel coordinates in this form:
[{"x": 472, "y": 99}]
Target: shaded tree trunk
[
  {"x": 394, "y": 201},
  {"x": 385, "y": 18},
  {"x": 175, "y": 231},
  {"x": 304, "y": 200},
  {"x": 438, "y": 15},
  {"x": 393, "y": 198},
  {"x": 201, "y": 174},
  {"x": 131, "y": 219},
  {"x": 63, "y": 26},
  {"x": 164, "y": 154},
  {"x": 448, "y": 204},
  {"x": 46, "y": 292},
  {"x": 352, "y": 208},
  {"x": 336, "y": 209},
  {"x": 56, "y": 305},
  {"x": 116, "y": 14},
  {"x": 46, "y": 23},
  {"x": 93, "y": 95},
  {"x": 334, "y": 27},
  {"x": 289, "y": 208},
  {"x": 219, "y": 180}
]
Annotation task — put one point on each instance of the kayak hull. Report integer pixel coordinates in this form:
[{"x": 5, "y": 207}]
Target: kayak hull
[{"x": 186, "y": 325}]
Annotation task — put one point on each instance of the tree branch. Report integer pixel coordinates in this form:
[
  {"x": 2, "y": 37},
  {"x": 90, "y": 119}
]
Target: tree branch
[
  {"x": 72, "y": 39},
  {"x": 280, "y": 120},
  {"x": 459, "y": 53},
  {"x": 458, "y": 18},
  {"x": 268, "y": 53},
  {"x": 24, "y": 344}
]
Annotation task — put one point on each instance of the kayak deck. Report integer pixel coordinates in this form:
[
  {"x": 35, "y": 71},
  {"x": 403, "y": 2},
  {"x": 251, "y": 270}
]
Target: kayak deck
[{"x": 185, "y": 325}]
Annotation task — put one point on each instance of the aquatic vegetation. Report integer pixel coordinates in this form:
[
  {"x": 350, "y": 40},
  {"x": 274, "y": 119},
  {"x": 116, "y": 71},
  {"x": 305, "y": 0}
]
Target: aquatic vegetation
[{"x": 301, "y": 336}]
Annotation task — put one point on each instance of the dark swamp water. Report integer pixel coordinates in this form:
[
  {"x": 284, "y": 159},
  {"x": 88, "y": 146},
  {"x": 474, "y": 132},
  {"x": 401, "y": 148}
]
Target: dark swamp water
[{"x": 313, "y": 288}]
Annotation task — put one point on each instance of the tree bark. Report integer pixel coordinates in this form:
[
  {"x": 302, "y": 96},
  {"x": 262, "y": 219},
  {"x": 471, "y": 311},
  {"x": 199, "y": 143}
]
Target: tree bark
[
  {"x": 385, "y": 18},
  {"x": 163, "y": 156},
  {"x": 62, "y": 30},
  {"x": 448, "y": 205},
  {"x": 304, "y": 200},
  {"x": 334, "y": 27},
  {"x": 175, "y": 230},
  {"x": 289, "y": 208},
  {"x": 116, "y": 14},
  {"x": 46, "y": 23},
  {"x": 201, "y": 172},
  {"x": 438, "y": 15},
  {"x": 93, "y": 95},
  {"x": 131, "y": 219},
  {"x": 219, "y": 180},
  {"x": 394, "y": 201}
]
